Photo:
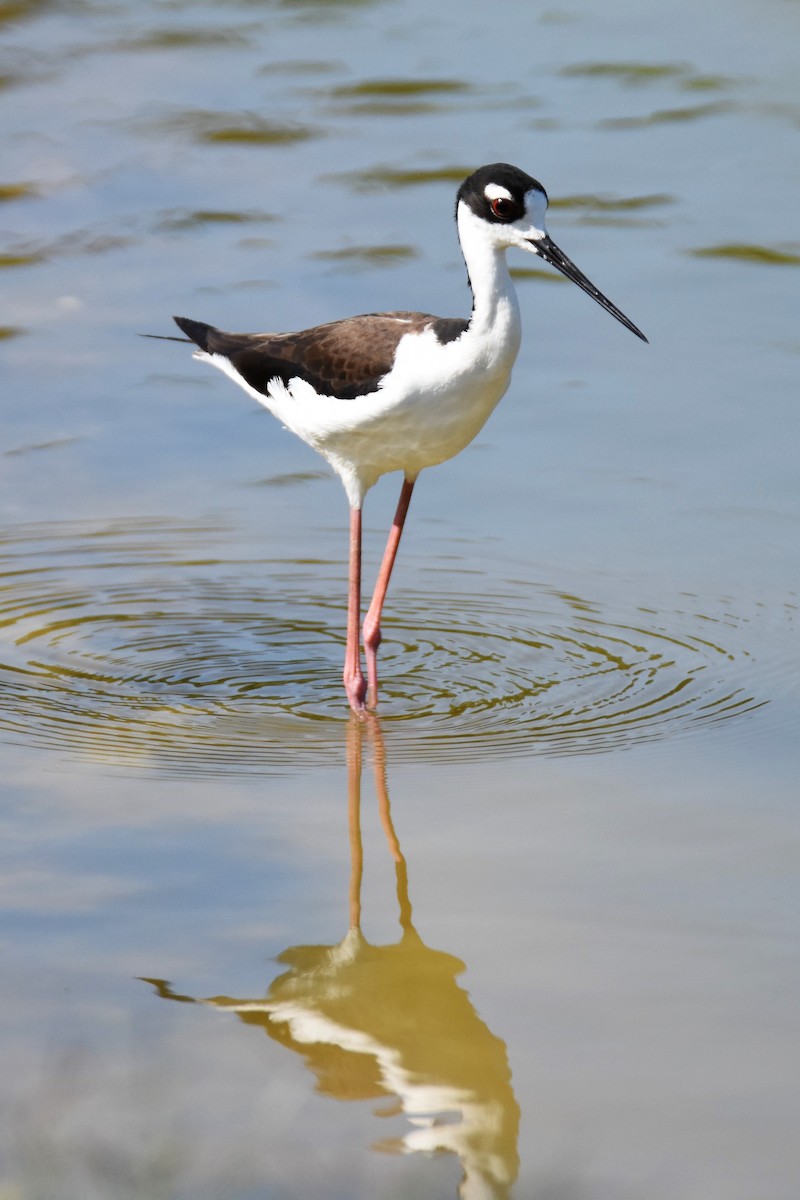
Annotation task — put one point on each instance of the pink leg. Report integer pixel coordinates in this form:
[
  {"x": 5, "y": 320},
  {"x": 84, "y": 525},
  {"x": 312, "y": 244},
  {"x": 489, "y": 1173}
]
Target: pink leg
[
  {"x": 371, "y": 631},
  {"x": 354, "y": 682}
]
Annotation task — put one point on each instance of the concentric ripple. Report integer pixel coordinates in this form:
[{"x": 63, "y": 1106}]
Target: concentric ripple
[{"x": 144, "y": 645}]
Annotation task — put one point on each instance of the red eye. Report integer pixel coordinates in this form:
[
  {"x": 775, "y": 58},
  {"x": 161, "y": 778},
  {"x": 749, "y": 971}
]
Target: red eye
[{"x": 503, "y": 208}]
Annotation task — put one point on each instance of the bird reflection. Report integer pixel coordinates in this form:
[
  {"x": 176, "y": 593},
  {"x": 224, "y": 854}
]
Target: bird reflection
[{"x": 391, "y": 1021}]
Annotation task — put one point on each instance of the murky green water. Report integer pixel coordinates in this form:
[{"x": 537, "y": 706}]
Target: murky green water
[{"x": 534, "y": 931}]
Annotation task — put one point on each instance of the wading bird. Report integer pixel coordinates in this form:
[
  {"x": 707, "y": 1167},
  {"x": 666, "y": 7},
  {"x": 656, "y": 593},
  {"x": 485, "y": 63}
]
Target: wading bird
[{"x": 400, "y": 391}]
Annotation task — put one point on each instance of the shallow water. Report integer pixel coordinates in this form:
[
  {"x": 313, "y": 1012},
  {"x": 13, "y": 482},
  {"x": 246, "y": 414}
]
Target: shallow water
[
  {"x": 121, "y": 648},
  {"x": 542, "y": 915}
]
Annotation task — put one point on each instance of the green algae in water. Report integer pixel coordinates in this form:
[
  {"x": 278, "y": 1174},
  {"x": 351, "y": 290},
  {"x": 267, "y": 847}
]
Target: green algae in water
[{"x": 746, "y": 252}]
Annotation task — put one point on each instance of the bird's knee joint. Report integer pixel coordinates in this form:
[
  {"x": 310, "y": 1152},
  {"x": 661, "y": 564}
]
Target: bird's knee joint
[{"x": 371, "y": 633}]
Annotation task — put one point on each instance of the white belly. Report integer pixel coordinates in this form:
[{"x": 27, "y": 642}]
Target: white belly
[{"x": 417, "y": 431}]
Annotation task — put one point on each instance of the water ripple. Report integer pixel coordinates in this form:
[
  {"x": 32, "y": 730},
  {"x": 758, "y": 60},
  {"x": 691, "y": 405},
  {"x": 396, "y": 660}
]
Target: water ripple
[{"x": 142, "y": 644}]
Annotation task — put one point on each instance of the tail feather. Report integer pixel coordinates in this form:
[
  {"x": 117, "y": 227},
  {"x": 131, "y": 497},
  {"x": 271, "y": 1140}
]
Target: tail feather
[{"x": 162, "y": 337}]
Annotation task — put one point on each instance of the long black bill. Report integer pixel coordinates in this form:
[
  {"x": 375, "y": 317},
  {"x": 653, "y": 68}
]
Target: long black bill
[{"x": 551, "y": 253}]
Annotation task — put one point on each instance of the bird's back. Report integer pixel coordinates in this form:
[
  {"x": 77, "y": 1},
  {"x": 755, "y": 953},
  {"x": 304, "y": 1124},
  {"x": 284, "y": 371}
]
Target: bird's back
[{"x": 343, "y": 359}]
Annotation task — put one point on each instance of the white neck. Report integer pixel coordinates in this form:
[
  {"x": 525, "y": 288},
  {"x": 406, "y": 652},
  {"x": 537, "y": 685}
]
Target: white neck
[{"x": 495, "y": 309}]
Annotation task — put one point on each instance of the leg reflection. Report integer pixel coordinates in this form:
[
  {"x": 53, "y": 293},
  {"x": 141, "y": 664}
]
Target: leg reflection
[{"x": 377, "y": 1021}]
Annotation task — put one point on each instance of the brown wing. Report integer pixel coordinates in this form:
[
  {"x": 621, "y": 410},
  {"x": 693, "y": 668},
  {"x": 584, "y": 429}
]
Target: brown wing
[{"x": 343, "y": 359}]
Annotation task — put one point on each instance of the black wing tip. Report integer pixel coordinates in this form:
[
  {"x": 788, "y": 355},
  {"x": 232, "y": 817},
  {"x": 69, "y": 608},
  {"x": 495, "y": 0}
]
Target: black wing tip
[{"x": 196, "y": 331}]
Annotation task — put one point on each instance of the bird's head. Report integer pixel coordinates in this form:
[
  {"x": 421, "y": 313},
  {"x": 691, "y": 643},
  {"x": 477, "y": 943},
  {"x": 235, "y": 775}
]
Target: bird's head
[{"x": 507, "y": 207}]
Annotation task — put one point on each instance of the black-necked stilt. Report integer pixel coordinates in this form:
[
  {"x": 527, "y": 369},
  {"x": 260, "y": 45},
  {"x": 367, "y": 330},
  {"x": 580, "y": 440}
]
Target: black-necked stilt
[{"x": 401, "y": 391}]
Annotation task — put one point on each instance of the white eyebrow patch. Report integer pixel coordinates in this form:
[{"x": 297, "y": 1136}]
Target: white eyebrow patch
[{"x": 493, "y": 191}]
